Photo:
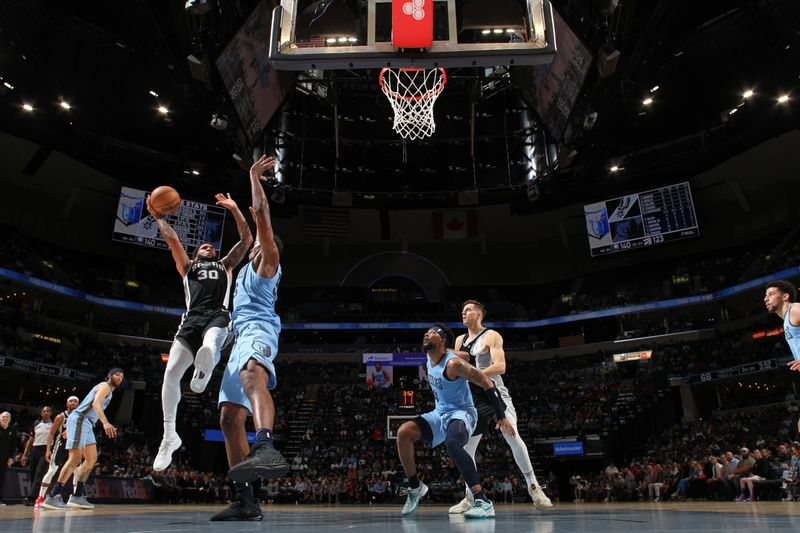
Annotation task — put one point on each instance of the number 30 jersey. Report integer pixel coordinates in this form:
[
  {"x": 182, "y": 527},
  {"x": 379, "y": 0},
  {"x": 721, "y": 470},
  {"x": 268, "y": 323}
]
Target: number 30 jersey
[{"x": 206, "y": 285}]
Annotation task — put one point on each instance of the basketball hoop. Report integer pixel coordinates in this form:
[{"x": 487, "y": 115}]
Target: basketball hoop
[{"x": 412, "y": 93}]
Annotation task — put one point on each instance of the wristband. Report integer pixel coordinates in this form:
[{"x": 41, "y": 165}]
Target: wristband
[{"x": 496, "y": 401}]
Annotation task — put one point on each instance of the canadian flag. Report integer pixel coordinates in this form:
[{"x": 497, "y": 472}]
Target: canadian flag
[{"x": 455, "y": 224}]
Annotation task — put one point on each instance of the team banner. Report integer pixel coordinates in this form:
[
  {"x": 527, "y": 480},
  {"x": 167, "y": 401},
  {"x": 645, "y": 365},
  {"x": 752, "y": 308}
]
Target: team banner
[
  {"x": 98, "y": 488},
  {"x": 13, "y": 363}
]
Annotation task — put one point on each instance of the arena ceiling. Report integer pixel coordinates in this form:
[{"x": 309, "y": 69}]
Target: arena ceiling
[{"x": 116, "y": 62}]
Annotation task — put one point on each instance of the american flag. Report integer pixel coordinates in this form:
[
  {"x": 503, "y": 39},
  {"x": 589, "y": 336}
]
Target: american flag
[{"x": 334, "y": 223}]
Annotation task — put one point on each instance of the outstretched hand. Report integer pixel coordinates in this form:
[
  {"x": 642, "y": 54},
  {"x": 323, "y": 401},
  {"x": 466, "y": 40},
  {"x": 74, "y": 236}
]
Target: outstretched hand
[
  {"x": 152, "y": 210},
  {"x": 226, "y": 201},
  {"x": 263, "y": 164}
]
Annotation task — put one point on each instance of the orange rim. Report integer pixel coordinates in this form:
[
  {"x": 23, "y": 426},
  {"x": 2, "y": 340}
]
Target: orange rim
[{"x": 428, "y": 94}]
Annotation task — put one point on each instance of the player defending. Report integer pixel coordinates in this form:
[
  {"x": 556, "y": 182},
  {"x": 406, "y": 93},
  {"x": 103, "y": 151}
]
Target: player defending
[
  {"x": 780, "y": 299},
  {"x": 486, "y": 346},
  {"x": 56, "y": 452},
  {"x": 81, "y": 443},
  {"x": 204, "y": 325},
  {"x": 250, "y": 373},
  {"x": 451, "y": 422}
]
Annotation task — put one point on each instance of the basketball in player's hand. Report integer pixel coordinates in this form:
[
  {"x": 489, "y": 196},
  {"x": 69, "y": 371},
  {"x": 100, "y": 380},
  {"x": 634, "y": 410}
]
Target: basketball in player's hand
[{"x": 165, "y": 200}]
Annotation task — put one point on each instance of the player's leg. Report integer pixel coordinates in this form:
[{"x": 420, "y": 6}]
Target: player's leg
[
  {"x": 180, "y": 358},
  {"x": 244, "y": 506},
  {"x": 523, "y": 459},
  {"x": 485, "y": 411},
  {"x": 409, "y": 433},
  {"x": 263, "y": 460},
  {"x": 55, "y": 499},
  {"x": 81, "y": 474},
  {"x": 458, "y": 434},
  {"x": 48, "y": 477},
  {"x": 208, "y": 355}
]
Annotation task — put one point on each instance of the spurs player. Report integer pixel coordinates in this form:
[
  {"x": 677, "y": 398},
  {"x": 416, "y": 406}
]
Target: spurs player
[
  {"x": 205, "y": 324},
  {"x": 486, "y": 346},
  {"x": 56, "y": 452}
]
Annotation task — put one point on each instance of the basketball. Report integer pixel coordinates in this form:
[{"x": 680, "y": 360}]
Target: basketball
[{"x": 165, "y": 199}]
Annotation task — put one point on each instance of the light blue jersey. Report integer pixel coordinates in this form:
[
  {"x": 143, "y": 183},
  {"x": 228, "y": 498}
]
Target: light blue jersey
[
  {"x": 792, "y": 334},
  {"x": 450, "y": 394},
  {"x": 453, "y": 401},
  {"x": 254, "y": 298},
  {"x": 80, "y": 423},
  {"x": 85, "y": 411}
]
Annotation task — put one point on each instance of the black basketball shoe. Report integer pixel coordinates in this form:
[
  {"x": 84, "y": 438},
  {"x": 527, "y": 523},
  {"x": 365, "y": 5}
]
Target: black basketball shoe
[
  {"x": 239, "y": 510},
  {"x": 262, "y": 461}
]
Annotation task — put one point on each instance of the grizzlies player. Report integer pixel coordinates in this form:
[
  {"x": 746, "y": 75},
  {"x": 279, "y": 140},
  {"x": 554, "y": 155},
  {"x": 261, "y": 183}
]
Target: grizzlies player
[
  {"x": 451, "y": 422},
  {"x": 780, "y": 299},
  {"x": 81, "y": 443},
  {"x": 204, "y": 325},
  {"x": 486, "y": 346},
  {"x": 250, "y": 373},
  {"x": 56, "y": 452}
]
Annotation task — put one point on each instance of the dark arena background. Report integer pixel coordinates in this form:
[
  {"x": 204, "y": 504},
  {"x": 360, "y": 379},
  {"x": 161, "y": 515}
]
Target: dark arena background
[{"x": 616, "y": 182}]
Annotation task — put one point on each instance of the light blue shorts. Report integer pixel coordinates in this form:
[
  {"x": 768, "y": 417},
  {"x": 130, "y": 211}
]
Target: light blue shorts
[
  {"x": 439, "y": 422},
  {"x": 256, "y": 341},
  {"x": 80, "y": 431}
]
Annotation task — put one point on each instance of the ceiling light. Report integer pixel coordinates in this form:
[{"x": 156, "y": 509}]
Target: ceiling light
[
  {"x": 332, "y": 40},
  {"x": 27, "y": 107},
  {"x": 352, "y": 40},
  {"x": 163, "y": 110},
  {"x": 647, "y": 101},
  {"x": 498, "y": 30},
  {"x": 734, "y": 110},
  {"x": 154, "y": 94},
  {"x": 615, "y": 168},
  {"x": 509, "y": 30},
  {"x": 486, "y": 32},
  {"x": 10, "y": 87},
  {"x": 65, "y": 105},
  {"x": 342, "y": 39},
  {"x": 195, "y": 172},
  {"x": 655, "y": 88},
  {"x": 748, "y": 93},
  {"x": 782, "y": 99}
]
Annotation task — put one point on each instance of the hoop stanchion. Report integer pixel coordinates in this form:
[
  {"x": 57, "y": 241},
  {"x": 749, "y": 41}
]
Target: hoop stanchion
[{"x": 412, "y": 92}]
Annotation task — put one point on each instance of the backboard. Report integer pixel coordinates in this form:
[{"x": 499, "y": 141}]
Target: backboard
[{"x": 357, "y": 34}]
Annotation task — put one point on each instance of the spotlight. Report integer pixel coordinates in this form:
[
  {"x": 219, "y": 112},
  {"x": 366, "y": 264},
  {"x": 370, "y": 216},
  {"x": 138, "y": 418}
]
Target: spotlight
[
  {"x": 154, "y": 94},
  {"x": 782, "y": 99},
  {"x": 655, "y": 88},
  {"x": 8, "y": 86},
  {"x": 748, "y": 93},
  {"x": 197, "y": 7},
  {"x": 614, "y": 168},
  {"x": 65, "y": 105},
  {"x": 734, "y": 110},
  {"x": 647, "y": 101},
  {"x": 163, "y": 109},
  {"x": 27, "y": 107},
  {"x": 195, "y": 172}
]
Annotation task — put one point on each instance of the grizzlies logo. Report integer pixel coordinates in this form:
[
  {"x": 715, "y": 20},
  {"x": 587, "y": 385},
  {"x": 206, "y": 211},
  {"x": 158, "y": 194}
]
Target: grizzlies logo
[{"x": 262, "y": 348}]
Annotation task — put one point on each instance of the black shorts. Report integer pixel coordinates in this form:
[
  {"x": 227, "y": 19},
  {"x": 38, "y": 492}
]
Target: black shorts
[
  {"x": 195, "y": 324},
  {"x": 484, "y": 408},
  {"x": 61, "y": 454}
]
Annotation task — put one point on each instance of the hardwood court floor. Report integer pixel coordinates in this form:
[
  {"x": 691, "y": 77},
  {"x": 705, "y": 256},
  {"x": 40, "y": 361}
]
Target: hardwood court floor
[{"x": 709, "y": 517}]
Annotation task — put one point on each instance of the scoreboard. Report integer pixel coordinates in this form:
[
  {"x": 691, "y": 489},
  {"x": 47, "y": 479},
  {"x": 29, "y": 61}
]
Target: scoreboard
[
  {"x": 641, "y": 220},
  {"x": 194, "y": 222}
]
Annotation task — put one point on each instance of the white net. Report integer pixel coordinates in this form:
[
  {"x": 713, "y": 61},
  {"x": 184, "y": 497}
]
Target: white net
[{"x": 412, "y": 93}]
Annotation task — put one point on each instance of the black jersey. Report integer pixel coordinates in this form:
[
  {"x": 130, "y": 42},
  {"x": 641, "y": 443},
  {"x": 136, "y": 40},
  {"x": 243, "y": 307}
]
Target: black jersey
[{"x": 206, "y": 284}]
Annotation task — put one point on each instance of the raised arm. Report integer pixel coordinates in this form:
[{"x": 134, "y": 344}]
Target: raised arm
[
  {"x": 97, "y": 404},
  {"x": 239, "y": 250},
  {"x": 268, "y": 264},
  {"x": 494, "y": 341},
  {"x": 182, "y": 260}
]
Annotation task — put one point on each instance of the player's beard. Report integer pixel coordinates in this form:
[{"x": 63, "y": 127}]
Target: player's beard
[{"x": 428, "y": 346}]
